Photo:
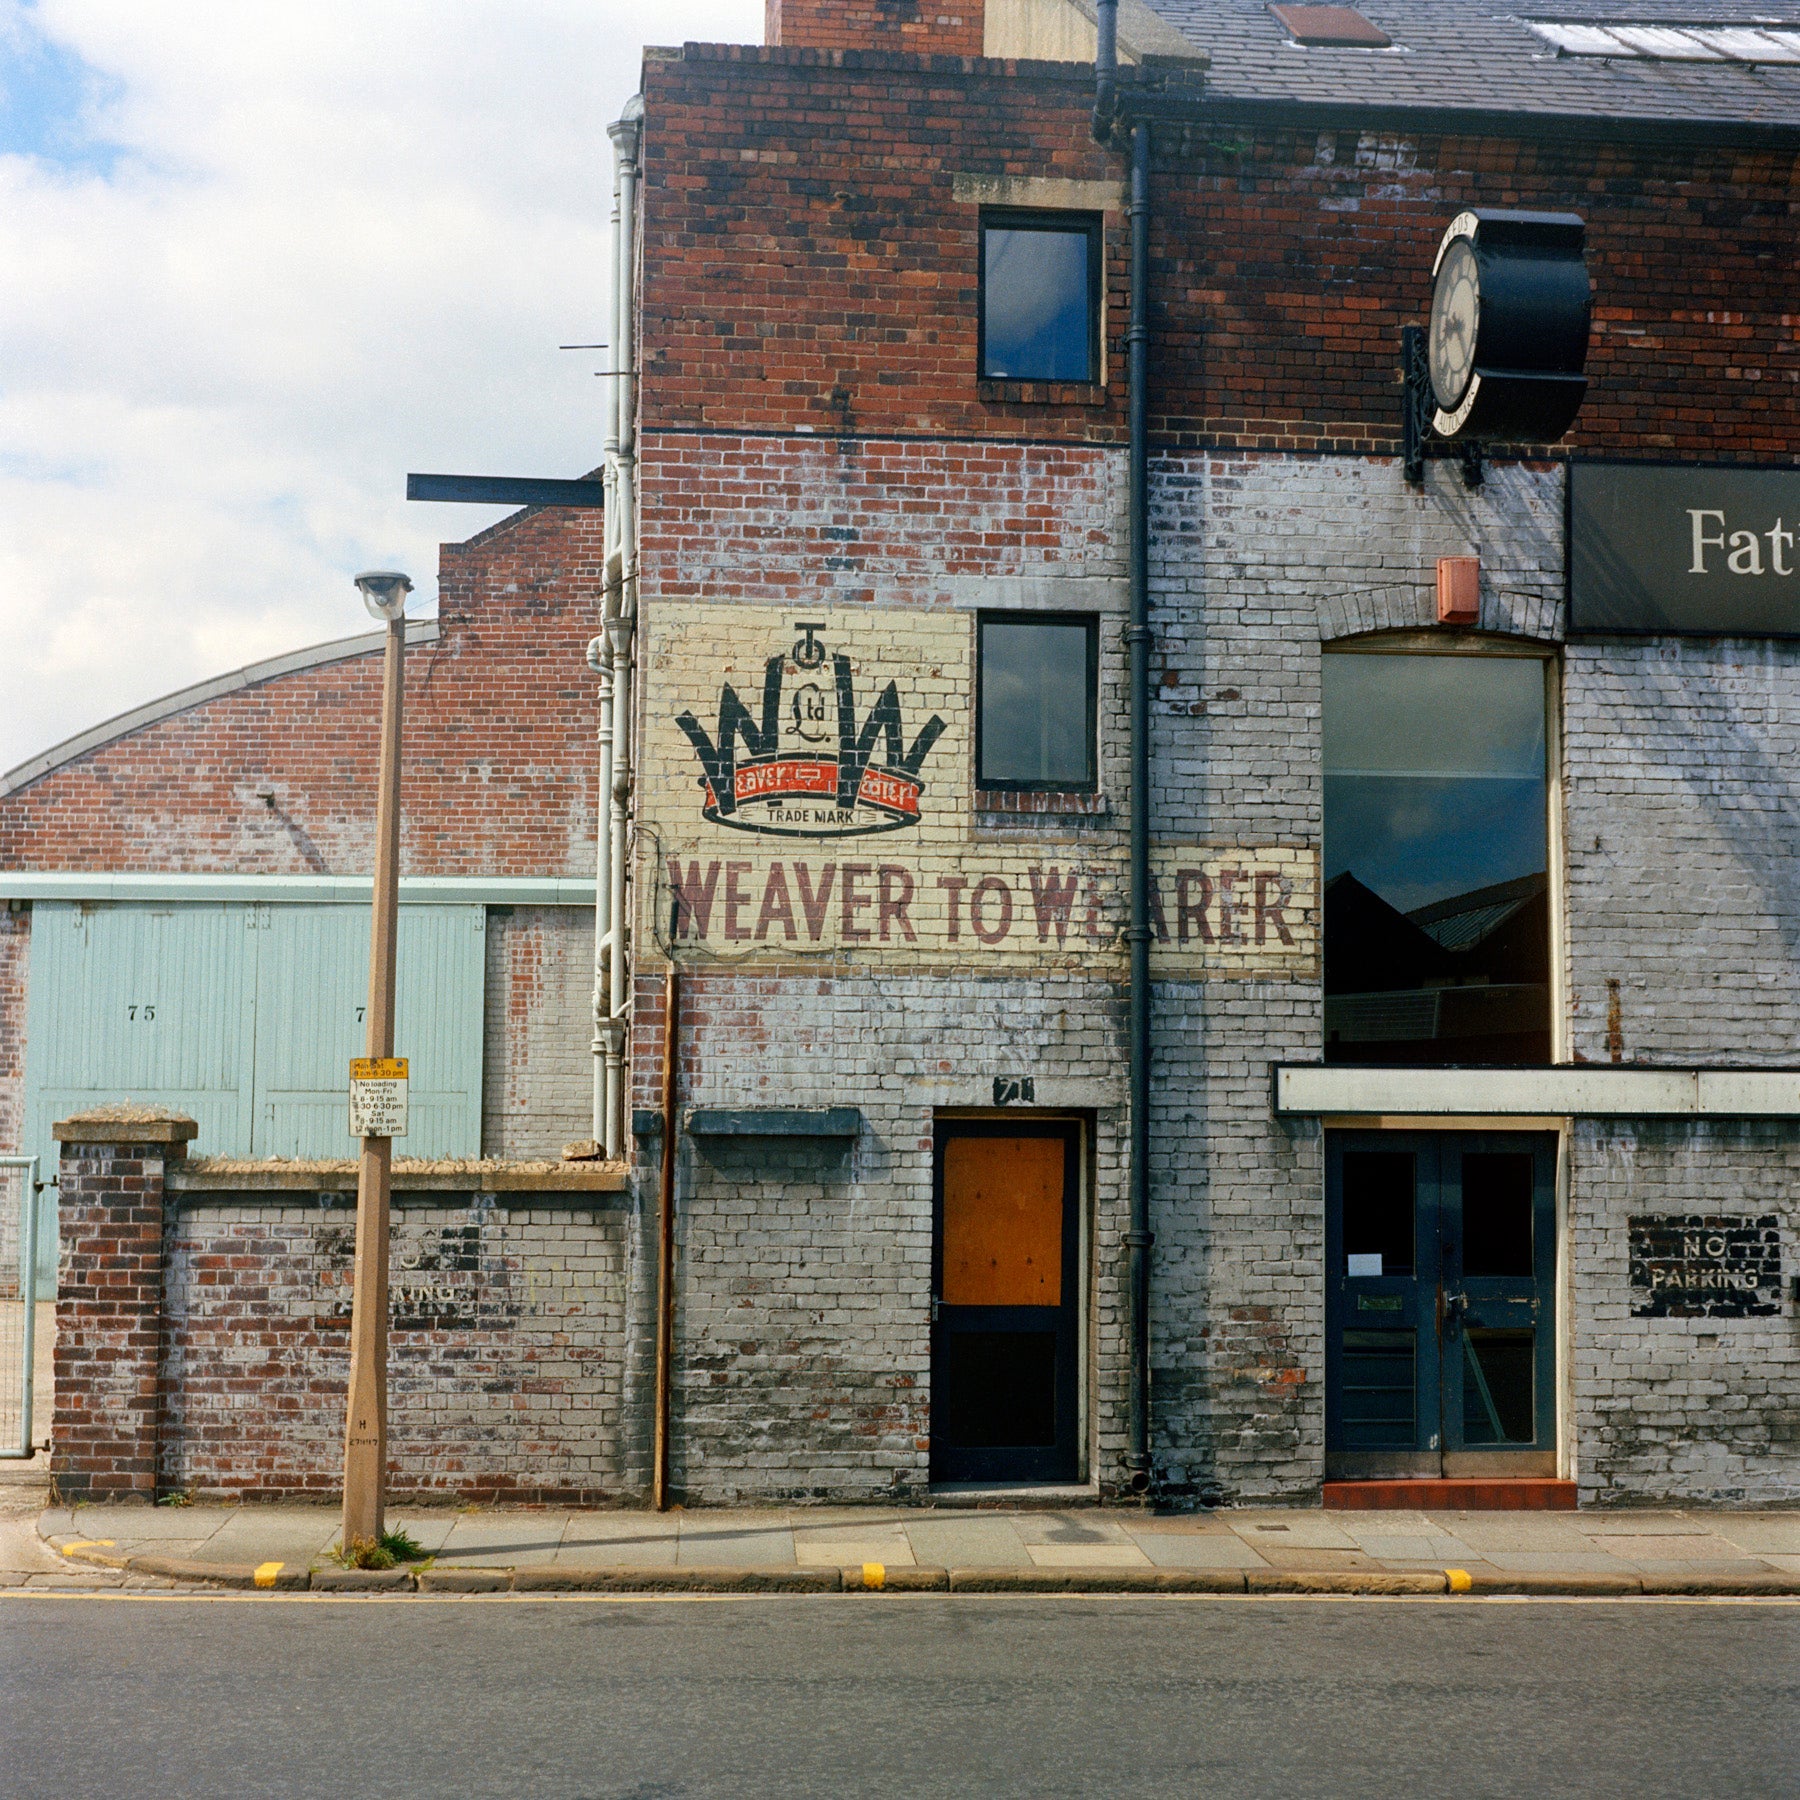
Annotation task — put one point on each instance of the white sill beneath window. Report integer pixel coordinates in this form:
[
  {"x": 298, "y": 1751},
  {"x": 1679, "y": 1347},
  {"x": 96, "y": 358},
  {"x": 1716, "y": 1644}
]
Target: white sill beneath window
[{"x": 1036, "y": 803}]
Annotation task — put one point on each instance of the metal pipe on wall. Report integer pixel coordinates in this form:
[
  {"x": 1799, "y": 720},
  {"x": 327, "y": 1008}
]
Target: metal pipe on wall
[
  {"x": 1138, "y": 1236},
  {"x": 600, "y": 661},
  {"x": 609, "y": 655},
  {"x": 665, "y": 1240},
  {"x": 620, "y": 631}
]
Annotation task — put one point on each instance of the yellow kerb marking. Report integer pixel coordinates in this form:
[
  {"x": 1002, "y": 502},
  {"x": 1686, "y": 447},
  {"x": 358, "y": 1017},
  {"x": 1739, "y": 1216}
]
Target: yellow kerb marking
[
  {"x": 266, "y": 1573},
  {"x": 874, "y": 1575},
  {"x": 1460, "y": 1580},
  {"x": 88, "y": 1544}
]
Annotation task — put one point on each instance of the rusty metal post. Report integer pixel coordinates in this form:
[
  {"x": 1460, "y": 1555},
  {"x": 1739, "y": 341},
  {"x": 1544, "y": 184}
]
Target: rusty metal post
[
  {"x": 665, "y": 1240},
  {"x": 365, "y": 1435}
]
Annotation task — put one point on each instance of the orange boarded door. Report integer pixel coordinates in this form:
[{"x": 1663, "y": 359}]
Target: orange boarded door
[{"x": 1004, "y": 1375}]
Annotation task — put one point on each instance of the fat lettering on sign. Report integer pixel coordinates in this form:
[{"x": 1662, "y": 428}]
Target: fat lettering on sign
[{"x": 1740, "y": 552}]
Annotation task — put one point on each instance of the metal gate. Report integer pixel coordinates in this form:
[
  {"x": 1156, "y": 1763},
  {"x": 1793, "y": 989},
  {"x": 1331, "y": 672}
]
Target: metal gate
[{"x": 18, "y": 1302}]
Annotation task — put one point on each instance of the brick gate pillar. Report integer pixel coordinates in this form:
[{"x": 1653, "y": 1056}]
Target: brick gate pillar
[{"x": 109, "y": 1301}]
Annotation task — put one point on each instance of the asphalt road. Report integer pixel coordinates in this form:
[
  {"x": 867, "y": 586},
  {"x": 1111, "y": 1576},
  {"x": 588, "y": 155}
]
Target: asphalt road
[{"x": 919, "y": 1696}]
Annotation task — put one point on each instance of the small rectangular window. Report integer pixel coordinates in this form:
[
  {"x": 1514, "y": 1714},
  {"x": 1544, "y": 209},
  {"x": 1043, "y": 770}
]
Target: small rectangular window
[
  {"x": 1035, "y": 703},
  {"x": 1040, "y": 297}
]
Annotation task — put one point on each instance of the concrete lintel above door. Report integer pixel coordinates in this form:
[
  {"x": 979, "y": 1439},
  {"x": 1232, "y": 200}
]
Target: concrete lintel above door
[{"x": 1561, "y": 1091}]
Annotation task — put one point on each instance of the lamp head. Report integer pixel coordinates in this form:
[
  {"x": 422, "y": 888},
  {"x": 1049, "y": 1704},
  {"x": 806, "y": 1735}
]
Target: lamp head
[{"x": 384, "y": 592}]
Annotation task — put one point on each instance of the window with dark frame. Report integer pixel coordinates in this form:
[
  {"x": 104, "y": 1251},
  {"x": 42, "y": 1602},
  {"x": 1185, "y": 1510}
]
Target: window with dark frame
[
  {"x": 1040, "y": 296},
  {"x": 1036, "y": 702}
]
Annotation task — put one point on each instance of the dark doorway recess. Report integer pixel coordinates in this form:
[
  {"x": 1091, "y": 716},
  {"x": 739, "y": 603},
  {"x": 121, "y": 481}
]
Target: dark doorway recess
[
  {"x": 1004, "y": 1342},
  {"x": 1440, "y": 1314}
]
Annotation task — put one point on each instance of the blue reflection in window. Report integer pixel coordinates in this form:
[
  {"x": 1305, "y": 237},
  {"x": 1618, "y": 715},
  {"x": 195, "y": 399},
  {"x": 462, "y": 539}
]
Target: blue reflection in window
[
  {"x": 1037, "y": 298},
  {"x": 1436, "y": 851}
]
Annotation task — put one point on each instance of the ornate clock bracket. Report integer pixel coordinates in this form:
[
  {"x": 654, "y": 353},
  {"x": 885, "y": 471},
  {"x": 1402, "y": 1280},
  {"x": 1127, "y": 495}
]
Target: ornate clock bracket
[{"x": 1417, "y": 405}]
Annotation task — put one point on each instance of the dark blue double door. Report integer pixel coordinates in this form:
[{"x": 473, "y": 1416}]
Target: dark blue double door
[{"x": 1440, "y": 1304}]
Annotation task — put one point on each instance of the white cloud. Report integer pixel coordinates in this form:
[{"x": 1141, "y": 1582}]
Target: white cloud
[{"x": 285, "y": 255}]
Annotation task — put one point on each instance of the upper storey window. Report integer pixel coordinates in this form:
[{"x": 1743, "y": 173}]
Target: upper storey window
[
  {"x": 1040, "y": 296},
  {"x": 1035, "y": 703}
]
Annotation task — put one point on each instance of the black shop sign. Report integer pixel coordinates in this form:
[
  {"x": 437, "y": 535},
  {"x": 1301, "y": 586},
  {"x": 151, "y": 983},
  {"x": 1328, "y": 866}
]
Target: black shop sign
[
  {"x": 1687, "y": 549},
  {"x": 1705, "y": 1266}
]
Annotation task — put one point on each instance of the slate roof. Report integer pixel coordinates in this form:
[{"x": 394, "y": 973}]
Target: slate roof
[{"x": 1470, "y": 55}]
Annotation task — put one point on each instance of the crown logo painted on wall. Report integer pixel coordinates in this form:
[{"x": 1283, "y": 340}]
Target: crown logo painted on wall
[{"x": 808, "y": 767}]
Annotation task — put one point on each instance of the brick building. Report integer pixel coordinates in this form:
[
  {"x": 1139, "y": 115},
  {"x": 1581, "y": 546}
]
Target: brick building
[{"x": 1462, "y": 884}]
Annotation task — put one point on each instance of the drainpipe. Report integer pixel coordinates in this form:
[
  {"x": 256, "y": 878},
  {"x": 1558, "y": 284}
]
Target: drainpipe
[
  {"x": 1106, "y": 68},
  {"x": 602, "y": 667},
  {"x": 1138, "y": 1237},
  {"x": 621, "y": 620},
  {"x": 599, "y": 660}
]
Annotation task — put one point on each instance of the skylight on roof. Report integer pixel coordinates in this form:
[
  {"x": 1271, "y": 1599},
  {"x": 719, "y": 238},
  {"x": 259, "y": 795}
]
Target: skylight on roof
[
  {"x": 1741, "y": 43},
  {"x": 1343, "y": 26}
]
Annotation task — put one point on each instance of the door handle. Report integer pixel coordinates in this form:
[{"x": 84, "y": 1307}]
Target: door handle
[{"x": 1455, "y": 1306}]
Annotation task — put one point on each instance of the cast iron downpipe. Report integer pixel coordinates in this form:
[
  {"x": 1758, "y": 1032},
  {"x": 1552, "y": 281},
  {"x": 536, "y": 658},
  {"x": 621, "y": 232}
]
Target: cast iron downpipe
[{"x": 1138, "y": 1238}]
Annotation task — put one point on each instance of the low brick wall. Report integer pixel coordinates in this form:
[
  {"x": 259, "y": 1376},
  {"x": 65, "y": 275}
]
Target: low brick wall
[
  {"x": 506, "y": 1350},
  {"x": 204, "y": 1323}
]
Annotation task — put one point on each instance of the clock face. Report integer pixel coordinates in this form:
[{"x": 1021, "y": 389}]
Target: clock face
[{"x": 1455, "y": 319}]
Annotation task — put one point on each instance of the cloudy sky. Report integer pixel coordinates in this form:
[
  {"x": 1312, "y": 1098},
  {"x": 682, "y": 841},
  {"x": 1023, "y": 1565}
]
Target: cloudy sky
[{"x": 259, "y": 260}]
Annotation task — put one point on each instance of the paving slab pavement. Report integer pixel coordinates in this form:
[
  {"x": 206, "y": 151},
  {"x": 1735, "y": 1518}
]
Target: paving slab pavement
[{"x": 777, "y": 1543}]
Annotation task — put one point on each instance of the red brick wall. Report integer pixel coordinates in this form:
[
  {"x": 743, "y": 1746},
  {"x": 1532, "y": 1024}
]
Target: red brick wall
[
  {"x": 927, "y": 27},
  {"x": 499, "y": 767},
  {"x": 109, "y": 1322},
  {"x": 806, "y": 266},
  {"x": 782, "y": 518}
]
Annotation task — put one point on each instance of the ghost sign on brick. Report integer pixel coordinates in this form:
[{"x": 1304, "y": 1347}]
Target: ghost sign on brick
[
  {"x": 808, "y": 793},
  {"x": 804, "y": 762},
  {"x": 1705, "y": 1266}
]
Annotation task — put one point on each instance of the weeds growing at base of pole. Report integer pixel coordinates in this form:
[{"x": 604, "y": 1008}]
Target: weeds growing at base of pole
[{"x": 388, "y": 1551}]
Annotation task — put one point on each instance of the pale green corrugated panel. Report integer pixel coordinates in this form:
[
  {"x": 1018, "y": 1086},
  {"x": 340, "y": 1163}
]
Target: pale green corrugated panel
[
  {"x": 246, "y": 1017},
  {"x": 312, "y": 987}
]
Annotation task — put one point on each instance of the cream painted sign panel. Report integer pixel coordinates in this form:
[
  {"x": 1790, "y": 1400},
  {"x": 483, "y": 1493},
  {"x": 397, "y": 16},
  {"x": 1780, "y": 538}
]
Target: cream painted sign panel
[{"x": 808, "y": 793}]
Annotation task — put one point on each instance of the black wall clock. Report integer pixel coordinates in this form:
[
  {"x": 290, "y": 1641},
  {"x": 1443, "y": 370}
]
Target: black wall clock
[{"x": 1510, "y": 307}]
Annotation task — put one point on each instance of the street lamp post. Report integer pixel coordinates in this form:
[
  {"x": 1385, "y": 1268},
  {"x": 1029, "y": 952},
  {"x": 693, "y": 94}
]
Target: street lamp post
[{"x": 384, "y": 592}]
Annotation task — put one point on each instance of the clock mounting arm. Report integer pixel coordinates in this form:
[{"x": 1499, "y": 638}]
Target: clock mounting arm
[{"x": 1418, "y": 439}]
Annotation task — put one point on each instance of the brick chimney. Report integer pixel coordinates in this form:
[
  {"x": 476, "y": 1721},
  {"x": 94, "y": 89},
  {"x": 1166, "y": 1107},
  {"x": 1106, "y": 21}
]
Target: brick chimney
[{"x": 919, "y": 27}]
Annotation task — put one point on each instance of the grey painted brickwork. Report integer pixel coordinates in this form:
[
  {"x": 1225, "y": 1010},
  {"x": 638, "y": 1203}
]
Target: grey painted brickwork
[
  {"x": 537, "y": 1063},
  {"x": 1707, "y": 1409},
  {"x": 1684, "y": 848},
  {"x": 803, "y": 1326}
]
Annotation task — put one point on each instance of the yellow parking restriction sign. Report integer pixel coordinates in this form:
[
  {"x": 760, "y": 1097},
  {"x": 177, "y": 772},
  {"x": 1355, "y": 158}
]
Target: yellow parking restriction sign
[{"x": 378, "y": 1096}]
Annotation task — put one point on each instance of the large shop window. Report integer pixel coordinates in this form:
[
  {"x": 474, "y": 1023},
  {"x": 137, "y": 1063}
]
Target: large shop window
[
  {"x": 1437, "y": 922},
  {"x": 1040, "y": 297},
  {"x": 1035, "y": 703}
]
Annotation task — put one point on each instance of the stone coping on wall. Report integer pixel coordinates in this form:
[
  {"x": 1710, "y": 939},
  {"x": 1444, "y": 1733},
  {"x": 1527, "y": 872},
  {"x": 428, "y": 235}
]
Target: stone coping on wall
[
  {"x": 243, "y": 1176},
  {"x": 127, "y": 1122}
]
